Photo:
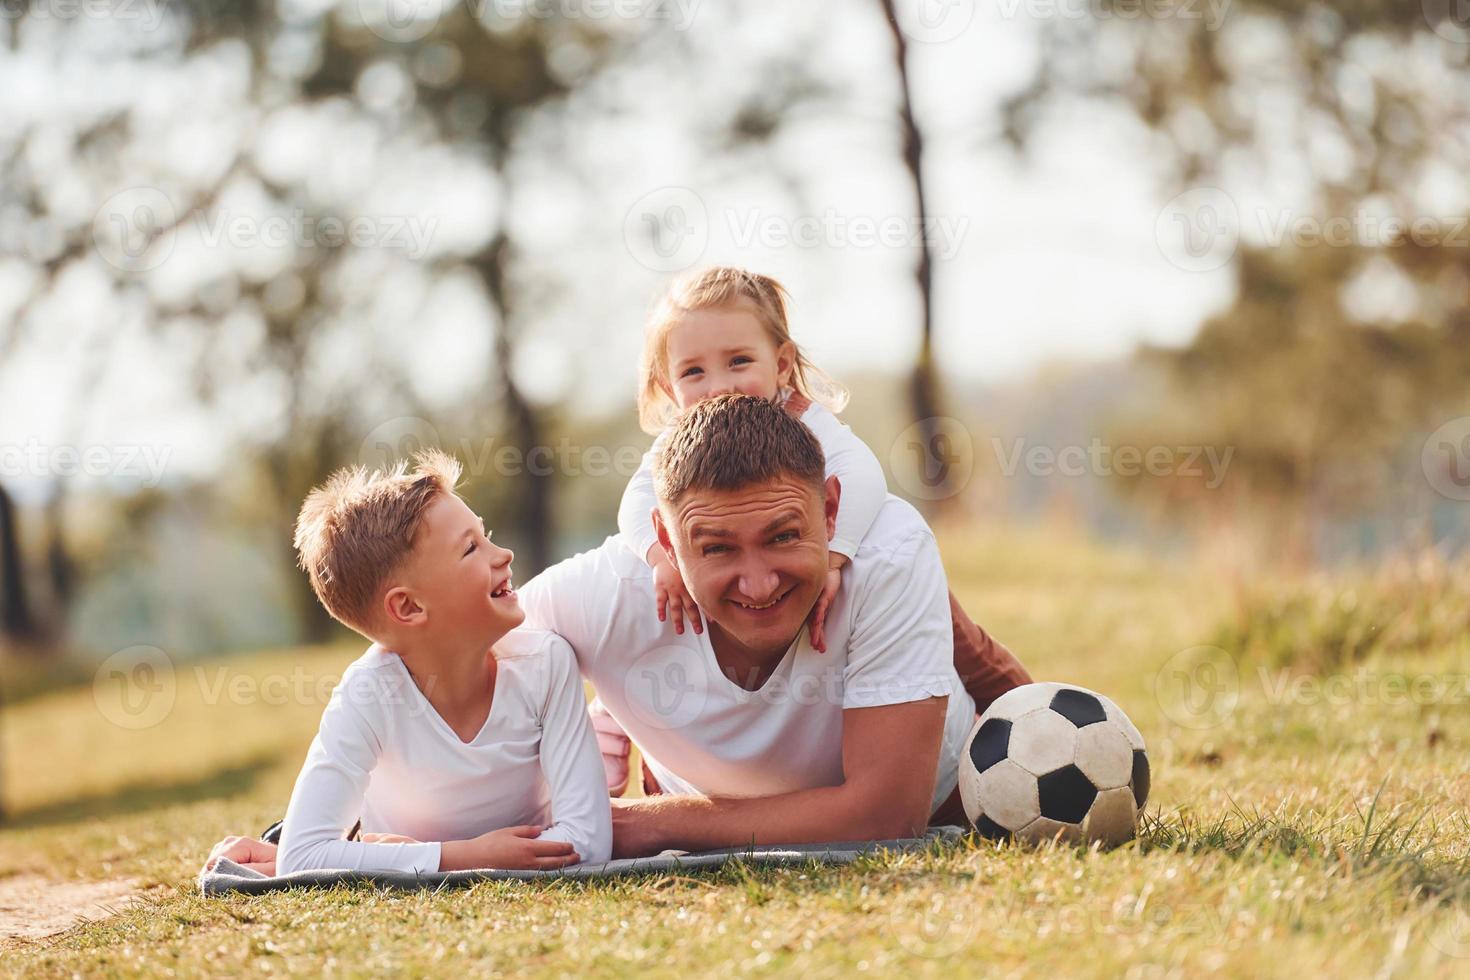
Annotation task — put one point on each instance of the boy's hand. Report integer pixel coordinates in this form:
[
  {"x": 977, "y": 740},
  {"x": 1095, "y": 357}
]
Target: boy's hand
[
  {"x": 673, "y": 599},
  {"x": 511, "y": 849},
  {"x": 247, "y": 852},
  {"x": 818, "y": 620}
]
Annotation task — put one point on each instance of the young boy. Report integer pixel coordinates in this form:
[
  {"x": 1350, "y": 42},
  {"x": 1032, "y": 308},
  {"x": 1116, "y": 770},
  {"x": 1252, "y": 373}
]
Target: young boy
[{"x": 457, "y": 740}]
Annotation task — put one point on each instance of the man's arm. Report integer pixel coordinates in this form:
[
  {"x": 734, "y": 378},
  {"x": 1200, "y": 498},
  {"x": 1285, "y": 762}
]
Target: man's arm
[{"x": 889, "y": 758}]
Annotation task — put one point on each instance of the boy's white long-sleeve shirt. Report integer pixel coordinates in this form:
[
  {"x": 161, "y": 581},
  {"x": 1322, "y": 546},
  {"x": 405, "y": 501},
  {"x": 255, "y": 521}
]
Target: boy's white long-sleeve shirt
[
  {"x": 864, "y": 487},
  {"x": 384, "y": 755}
]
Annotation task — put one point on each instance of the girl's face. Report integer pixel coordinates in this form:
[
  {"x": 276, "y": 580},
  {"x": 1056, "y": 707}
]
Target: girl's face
[{"x": 724, "y": 351}]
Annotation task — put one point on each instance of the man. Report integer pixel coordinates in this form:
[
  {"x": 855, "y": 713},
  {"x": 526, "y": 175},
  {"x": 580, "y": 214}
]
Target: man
[{"x": 751, "y": 735}]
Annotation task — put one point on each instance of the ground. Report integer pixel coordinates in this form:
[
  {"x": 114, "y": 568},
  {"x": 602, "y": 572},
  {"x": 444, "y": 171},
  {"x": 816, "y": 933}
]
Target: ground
[{"x": 1300, "y": 824}]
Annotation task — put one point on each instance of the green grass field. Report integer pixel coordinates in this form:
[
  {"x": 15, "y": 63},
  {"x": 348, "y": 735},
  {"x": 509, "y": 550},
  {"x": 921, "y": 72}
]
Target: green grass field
[{"x": 1301, "y": 824}]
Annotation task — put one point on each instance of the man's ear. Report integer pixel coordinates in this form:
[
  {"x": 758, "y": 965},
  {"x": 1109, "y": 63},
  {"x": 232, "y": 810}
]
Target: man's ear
[
  {"x": 402, "y": 609},
  {"x": 665, "y": 541},
  {"x": 832, "y": 497}
]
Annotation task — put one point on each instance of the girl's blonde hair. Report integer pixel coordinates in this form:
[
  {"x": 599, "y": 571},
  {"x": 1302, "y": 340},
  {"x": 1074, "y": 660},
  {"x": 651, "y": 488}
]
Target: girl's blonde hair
[{"x": 719, "y": 288}]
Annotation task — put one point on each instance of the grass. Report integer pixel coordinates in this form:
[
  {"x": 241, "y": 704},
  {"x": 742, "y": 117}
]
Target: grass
[
  {"x": 1324, "y": 624},
  {"x": 1310, "y": 822}
]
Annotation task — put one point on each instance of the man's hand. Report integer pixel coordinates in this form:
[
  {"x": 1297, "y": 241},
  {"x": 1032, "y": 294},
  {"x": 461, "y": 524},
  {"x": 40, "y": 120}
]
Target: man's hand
[
  {"x": 635, "y": 832},
  {"x": 818, "y": 619},
  {"x": 511, "y": 849},
  {"x": 247, "y": 852},
  {"x": 673, "y": 599}
]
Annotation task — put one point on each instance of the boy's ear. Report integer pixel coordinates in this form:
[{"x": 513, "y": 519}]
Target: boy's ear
[
  {"x": 831, "y": 498},
  {"x": 664, "y": 540},
  {"x": 402, "y": 609}
]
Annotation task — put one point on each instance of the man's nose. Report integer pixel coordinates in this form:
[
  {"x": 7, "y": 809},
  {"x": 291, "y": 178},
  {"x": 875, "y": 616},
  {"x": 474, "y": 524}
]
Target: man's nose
[{"x": 759, "y": 583}]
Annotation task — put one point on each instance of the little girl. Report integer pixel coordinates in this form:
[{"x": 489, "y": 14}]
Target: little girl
[{"x": 724, "y": 330}]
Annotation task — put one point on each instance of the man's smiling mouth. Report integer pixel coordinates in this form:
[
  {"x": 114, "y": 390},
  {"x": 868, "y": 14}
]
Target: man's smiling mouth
[{"x": 762, "y": 607}]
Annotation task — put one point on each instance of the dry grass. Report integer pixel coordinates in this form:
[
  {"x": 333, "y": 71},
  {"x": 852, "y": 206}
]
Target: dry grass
[{"x": 1294, "y": 830}]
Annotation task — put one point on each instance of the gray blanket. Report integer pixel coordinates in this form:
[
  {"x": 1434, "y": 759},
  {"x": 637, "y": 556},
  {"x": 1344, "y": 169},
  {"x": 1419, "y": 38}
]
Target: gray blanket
[{"x": 227, "y": 876}]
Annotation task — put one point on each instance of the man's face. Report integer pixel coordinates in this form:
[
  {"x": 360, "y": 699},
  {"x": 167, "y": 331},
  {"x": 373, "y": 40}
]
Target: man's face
[{"x": 754, "y": 559}]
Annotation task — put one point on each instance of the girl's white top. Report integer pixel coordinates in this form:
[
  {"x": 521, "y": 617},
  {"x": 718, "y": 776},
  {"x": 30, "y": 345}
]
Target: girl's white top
[
  {"x": 384, "y": 754},
  {"x": 864, "y": 488}
]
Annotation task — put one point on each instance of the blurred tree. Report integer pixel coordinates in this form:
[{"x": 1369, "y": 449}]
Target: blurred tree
[
  {"x": 1336, "y": 357},
  {"x": 925, "y": 396},
  {"x": 491, "y": 72},
  {"x": 17, "y": 622},
  {"x": 466, "y": 82}
]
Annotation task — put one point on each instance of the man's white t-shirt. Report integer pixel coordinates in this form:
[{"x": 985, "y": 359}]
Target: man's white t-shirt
[
  {"x": 889, "y": 641},
  {"x": 384, "y": 755}
]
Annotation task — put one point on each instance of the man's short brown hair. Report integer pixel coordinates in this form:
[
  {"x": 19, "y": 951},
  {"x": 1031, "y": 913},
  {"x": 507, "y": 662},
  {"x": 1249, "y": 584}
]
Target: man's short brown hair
[
  {"x": 357, "y": 528},
  {"x": 735, "y": 441}
]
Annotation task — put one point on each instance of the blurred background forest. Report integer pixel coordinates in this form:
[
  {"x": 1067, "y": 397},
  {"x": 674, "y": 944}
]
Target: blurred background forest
[{"x": 1191, "y": 274}]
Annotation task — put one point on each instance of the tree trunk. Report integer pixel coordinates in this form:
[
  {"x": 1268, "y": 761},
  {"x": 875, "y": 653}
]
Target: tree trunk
[
  {"x": 16, "y": 620},
  {"x": 925, "y": 394},
  {"x": 2, "y": 755},
  {"x": 60, "y": 568},
  {"x": 534, "y": 516}
]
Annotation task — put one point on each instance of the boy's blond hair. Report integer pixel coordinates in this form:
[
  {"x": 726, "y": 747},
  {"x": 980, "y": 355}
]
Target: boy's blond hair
[
  {"x": 721, "y": 287},
  {"x": 356, "y": 529}
]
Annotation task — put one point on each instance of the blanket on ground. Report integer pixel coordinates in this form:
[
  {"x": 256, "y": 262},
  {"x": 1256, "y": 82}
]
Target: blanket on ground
[{"x": 227, "y": 876}]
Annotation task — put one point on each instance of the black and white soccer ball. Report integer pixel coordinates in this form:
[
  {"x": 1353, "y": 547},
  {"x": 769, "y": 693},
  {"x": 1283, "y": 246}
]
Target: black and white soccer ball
[{"x": 1055, "y": 760}]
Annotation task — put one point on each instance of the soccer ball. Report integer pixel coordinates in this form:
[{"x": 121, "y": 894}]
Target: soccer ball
[{"x": 1054, "y": 760}]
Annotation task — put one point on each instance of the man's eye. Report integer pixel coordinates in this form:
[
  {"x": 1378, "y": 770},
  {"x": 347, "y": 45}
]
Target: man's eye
[
  {"x": 714, "y": 549},
  {"x": 785, "y": 536}
]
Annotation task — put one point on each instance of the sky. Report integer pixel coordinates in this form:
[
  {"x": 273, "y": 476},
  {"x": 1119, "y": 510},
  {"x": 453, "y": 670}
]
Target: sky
[{"x": 1052, "y": 256}]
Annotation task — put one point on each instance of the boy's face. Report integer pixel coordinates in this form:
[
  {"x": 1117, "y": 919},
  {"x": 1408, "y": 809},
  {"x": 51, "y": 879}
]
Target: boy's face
[
  {"x": 457, "y": 577},
  {"x": 724, "y": 351}
]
